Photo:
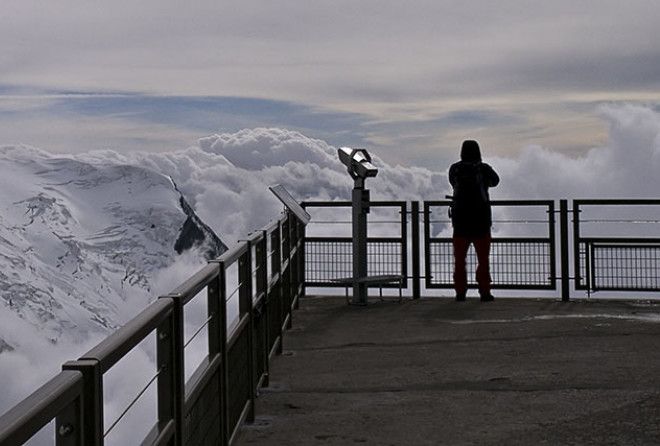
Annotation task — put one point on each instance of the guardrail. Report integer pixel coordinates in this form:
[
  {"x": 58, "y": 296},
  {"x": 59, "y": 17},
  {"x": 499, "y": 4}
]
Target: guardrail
[
  {"x": 329, "y": 258},
  {"x": 516, "y": 262},
  {"x": 534, "y": 256},
  {"x": 607, "y": 261},
  {"x": 265, "y": 273}
]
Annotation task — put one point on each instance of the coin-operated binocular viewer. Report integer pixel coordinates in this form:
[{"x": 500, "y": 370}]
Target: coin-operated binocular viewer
[{"x": 358, "y": 163}]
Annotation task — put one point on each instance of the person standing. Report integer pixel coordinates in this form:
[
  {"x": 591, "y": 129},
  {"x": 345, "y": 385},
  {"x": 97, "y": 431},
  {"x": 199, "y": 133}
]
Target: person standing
[{"x": 471, "y": 217}]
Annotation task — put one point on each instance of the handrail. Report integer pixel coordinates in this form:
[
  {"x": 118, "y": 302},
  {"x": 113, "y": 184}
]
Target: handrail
[
  {"x": 109, "y": 351},
  {"x": 270, "y": 226},
  {"x": 620, "y": 239},
  {"x": 38, "y": 409},
  {"x": 499, "y": 202},
  {"x": 618, "y": 201},
  {"x": 326, "y": 204},
  {"x": 255, "y": 236},
  {"x": 231, "y": 255},
  {"x": 200, "y": 280}
]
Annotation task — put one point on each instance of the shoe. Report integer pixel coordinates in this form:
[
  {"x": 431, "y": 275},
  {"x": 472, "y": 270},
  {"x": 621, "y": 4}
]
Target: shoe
[
  {"x": 460, "y": 297},
  {"x": 487, "y": 297}
]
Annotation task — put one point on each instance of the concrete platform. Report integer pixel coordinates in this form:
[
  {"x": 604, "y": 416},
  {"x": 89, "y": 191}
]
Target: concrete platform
[{"x": 438, "y": 372}]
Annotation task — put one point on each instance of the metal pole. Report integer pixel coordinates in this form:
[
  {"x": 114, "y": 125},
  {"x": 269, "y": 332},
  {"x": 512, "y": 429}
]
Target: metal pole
[
  {"x": 414, "y": 212},
  {"x": 223, "y": 373},
  {"x": 245, "y": 308},
  {"x": 301, "y": 266},
  {"x": 69, "y": 425},
  {"x": 92, "y": 399},
  {"x": 262, "y": 289},
  {"x": 563, "y": 246},
  {"x": 276, "y": 291},
  {"x": 360, "y": 210},
  {"x": 577, "y": 267},
  {"x": 287, "y": 286},
  {"x": 167, "y": 359}
]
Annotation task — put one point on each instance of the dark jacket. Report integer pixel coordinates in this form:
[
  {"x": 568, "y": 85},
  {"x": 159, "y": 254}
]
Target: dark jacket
[{"x": 470, "y": 211}]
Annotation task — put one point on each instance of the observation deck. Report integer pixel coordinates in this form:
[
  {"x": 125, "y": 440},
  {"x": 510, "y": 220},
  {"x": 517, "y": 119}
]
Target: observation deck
[
  {"x": 275, "y": 365},
  {"x": 439, "y": 372}
]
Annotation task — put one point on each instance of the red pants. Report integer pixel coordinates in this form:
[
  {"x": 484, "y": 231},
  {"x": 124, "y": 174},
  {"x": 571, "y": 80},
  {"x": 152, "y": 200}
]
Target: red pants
[{"x": 482, "y": 247}]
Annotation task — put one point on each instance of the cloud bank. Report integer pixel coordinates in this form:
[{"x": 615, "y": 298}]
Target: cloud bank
[
  {"x": 625, "y": 167},
  {"x": 225, "y": 176}
]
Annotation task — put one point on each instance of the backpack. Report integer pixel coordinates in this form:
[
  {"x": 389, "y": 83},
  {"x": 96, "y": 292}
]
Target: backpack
[{"x": 470, "y": 187}]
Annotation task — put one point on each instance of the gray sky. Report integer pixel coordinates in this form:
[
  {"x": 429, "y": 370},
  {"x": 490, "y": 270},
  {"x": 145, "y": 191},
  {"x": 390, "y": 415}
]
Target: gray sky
[{"x": 408, "y": 79}]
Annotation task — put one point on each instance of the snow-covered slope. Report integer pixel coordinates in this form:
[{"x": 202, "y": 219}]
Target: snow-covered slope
[{"x": 81, "y": 242}]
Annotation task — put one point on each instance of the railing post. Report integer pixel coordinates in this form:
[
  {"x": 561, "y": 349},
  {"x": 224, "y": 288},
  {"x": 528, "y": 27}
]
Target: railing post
[
  {"x": 296, "y": 272},
  {"x": 293, "y": 258},
  {"x": 217, "y": 337},
  {"x": 224, "y": 367},
  {"x": 276, "y": 268},
  {"x": 414, "y": 221},
  {"x": 165, "y": 351},
  {"x": 179, "y": 372},
  {"x": 169, "y": 357},
  {"x": 245, "y": 308},
  {"x": 213, "y": 308},
  {"x": 69, "y": 429},
  {"x": 286, "y": 270},
  {"x": 262, "y": 289},
  {"x": 427, "y": 248},
  {"x": 577, "y": 266},
  {"x": 92, "y": 399},
  {"x": 301, "y": 270},
  {"x": 563, "y": 248}
]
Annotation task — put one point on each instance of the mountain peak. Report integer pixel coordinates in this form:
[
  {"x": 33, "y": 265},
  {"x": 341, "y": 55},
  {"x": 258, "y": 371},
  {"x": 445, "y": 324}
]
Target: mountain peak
[{"x": 80, "y": 239}]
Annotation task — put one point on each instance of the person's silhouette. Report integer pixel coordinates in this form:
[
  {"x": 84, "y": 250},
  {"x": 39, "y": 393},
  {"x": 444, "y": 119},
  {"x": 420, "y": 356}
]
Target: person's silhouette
[{"x": 471, "y": 217}]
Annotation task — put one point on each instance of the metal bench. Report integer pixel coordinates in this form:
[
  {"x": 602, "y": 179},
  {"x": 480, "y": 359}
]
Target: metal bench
[{"x": 381, "y": 280}]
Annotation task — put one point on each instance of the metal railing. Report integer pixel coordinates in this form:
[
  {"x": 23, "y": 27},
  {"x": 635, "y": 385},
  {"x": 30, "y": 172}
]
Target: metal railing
[
  {"x": 329, "y": 258},
  {"x": 534, "y": 256},
  {"x": 210, "y": 407},
  {"x": 607, "y": 261},
  {"x": 515, "y": 262}
]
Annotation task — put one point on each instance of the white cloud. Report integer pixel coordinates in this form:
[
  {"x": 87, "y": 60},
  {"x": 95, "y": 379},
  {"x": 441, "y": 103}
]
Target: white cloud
[
  {"x": 626, "y": 166},
  {"x": 38, "y": 360},
  {"x": 226, "y": 176},
  {"x": 259, "y": 148}
]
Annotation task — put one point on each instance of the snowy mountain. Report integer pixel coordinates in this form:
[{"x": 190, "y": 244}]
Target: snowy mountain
[{"x": 81, "y": 242}]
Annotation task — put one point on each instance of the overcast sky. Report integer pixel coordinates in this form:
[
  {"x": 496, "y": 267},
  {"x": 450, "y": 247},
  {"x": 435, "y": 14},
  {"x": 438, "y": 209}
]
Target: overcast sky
[{"x": 409, "y": 80}]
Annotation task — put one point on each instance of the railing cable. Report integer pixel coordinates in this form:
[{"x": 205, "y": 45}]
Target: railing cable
[
  {"x": 615, "y": 220},
  {"x": 345, "y": 222},
  {"x": 198, "y": 330},
  {"x": 234, "y": 292},
  {"x": 501, "y": 221},
  {"x": 132, "y": 403}
]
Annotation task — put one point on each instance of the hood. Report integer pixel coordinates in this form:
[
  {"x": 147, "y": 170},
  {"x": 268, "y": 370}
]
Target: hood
[{"x": 470, "y": 151}]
